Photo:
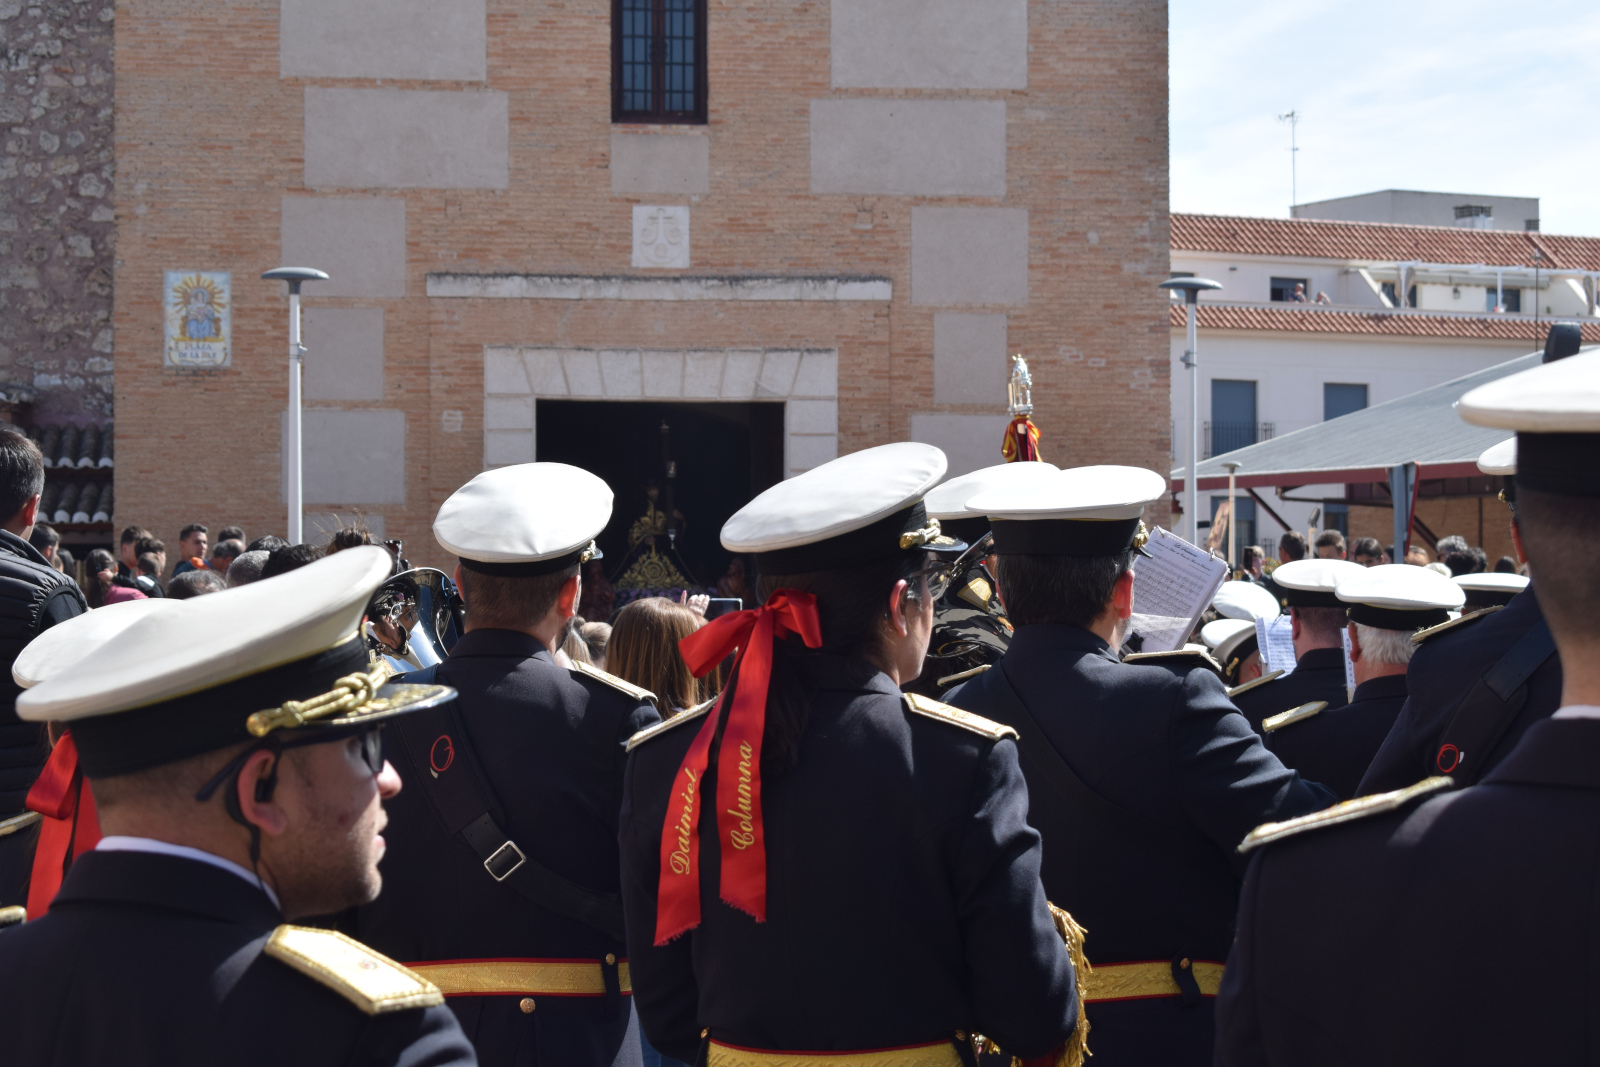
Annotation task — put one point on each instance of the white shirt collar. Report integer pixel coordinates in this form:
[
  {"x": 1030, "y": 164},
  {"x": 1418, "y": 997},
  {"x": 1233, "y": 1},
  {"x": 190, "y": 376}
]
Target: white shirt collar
[
  {"x": 1578, "y": 711},
  {"x": 122, "y": 843}
]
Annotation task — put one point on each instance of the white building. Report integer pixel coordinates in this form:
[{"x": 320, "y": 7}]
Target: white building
[
  {"x": 1391, "y": 310},
  {"x": 1411, "y": 207}
]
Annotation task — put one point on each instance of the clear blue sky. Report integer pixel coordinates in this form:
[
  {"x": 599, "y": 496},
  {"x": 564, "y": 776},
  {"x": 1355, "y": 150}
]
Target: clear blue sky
[{"x": 1463, "y": 96}]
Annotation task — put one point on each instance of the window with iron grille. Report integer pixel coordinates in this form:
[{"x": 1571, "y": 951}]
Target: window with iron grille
[{"x": 658, "y": 61}]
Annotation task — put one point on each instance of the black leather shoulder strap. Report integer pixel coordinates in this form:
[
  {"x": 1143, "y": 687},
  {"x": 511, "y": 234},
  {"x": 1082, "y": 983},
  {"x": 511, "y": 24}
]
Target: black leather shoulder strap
[
  {"x": 1490, "y": 706},
  {"x": 1037, "y": 751},
  {"x": 449, "y": 774}
]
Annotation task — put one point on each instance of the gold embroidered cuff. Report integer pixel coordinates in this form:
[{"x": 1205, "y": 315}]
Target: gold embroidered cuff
[
  {"x": 939, "y": 1054},
  {"x": 1136, "y": 981},
  {"x": 550, "y": 978}
]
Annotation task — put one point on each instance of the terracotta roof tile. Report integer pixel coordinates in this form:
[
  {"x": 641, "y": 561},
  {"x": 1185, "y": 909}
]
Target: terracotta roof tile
[
  {"x": 1285, "y": 319},
  {"x": 1316, "y": 239}
]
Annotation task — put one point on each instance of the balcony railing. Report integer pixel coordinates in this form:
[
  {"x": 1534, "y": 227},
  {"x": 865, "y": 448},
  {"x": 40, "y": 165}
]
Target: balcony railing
[{"x": 1226, "y": 436}]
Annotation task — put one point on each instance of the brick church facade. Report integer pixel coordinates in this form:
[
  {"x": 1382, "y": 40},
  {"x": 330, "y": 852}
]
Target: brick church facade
[{"x": 788, "y": 231}]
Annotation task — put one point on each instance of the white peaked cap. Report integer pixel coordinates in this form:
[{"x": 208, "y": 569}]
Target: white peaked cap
[
  {"x": 949, "y": 500},
  {"x": 1492, "y": 580},
  {"x": 79, "y": 637},
  {"x": 1078, "y": 493},
  {"x": 1245, "y": 600},
  {"x": 1500, "y": 458},
  {"x": 1559, "y": 397},
  {"x": 205, "y": 641},
  {"x": 852, "y": 493},
  {"x": 1398, "y": 596},
  {"x": 1225, "y": 635},
  {"x": 523, "y": 514}
]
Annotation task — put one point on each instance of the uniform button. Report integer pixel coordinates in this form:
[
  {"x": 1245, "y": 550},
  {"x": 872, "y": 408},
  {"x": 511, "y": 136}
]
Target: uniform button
[
  {"x": 611, "y": 959},
  {"x": 705, "y": 1034},
  {"x": 1184, "y": 964},
  {"x": 526, "y": 1005}
]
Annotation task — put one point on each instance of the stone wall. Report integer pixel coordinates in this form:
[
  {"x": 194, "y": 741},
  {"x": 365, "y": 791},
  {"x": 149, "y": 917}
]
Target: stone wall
[{"x": 57, "y": 229}]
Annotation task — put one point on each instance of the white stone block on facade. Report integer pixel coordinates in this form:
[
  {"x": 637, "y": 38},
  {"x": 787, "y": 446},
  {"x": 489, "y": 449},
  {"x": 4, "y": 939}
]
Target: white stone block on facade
[
  {"x": 545, "y": 375},
  {"x": 777, "y": 373},
  {"x": 660, "y": 163},
  {"x": 739, "y": 375},
  {"x": 351, "y": 457},
  {"x": 406, "y": 139},
  {"x": 702, "y": 374},
  {"x": 660, "y": 236},
  {"x": 620, "y": 375},
  {"x": 929, "y": 44},
  {"x": 969, "y": 255},
  {"x": 583, "y": 372},
  {"x": 663, "y": 373},
  {"x": 969, "y": 358},
  {"x": 897, "y": 147},
  {"x": 503, "y": 372},
  {"x": 419, "y": 40},
  {"x": 344, "y": 357},
  {"x": 818, "y": 374},
  {"x": 359, "y": 240},
  {"x": 970, "y": 442},
  {"x": 508, "y": 413},
  {"x": 805, "y": 451}
]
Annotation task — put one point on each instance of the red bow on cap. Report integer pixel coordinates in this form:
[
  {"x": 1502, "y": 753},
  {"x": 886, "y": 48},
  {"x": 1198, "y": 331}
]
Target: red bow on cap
[
  {"x": 71, "y": 826},
  {"x": 739, "y": 831}
]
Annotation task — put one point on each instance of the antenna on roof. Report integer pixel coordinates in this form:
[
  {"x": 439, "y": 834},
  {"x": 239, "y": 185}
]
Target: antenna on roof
[{"x": 1293, "y": 119}]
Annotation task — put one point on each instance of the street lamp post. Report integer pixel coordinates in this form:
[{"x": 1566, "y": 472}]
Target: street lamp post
[
  {"x": 295, "y": 276},
  {"x": 1233, "y": 517},
  {"x": 1190, "y": 287}
]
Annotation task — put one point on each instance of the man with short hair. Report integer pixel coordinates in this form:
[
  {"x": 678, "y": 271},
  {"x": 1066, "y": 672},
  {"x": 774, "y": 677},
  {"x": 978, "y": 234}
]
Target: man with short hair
[
  {"x": 1357, "y": 938},
  {"x": 128, "y": 550},
  {"x": 517, "y": 802},
  {"x": 224, "y": 553},
  {"x": 1387, "y": 605},
  {"x": 266, "y": 543},
  {"x": 147, "y": 571},
  {"x": 192, "y": 583},
  {"x": 1291, "y": 546},
  {"x": 46, "y": 540},
  {"x": 1368, "y": 552},
  {"x": 246, "y": 568},
  {"x": 34, "y": 596},
  {"x": 1141, "y": 779},
  {"x": 289, "y": 558},
  {"x": 1330, "y": 545},
  {"x": 231, "y": 533},
  {"x": 1317, "y": 620},
  {"x": 239, "y": 783},
  {"x": 191, "y": 547}
]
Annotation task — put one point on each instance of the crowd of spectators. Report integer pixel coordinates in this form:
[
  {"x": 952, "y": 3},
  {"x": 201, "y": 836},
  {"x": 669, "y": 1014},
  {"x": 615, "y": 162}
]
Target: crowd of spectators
[
  {"x": 1452, "y": 556},
  {"x": 136, "y": 571}
]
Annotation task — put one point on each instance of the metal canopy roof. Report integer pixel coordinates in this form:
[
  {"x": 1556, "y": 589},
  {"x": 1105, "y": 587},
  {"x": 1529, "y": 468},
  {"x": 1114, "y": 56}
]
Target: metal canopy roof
[{"x": 1361, "y": 446}]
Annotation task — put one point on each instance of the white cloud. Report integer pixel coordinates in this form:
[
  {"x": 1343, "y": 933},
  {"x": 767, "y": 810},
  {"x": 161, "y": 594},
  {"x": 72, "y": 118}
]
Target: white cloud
[{"x": 1465, "y": 96}]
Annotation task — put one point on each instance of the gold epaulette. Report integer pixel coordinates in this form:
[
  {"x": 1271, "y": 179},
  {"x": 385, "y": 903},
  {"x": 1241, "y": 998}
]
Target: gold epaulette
[
  {"x": 1254, "y": 683},
  {"x": 1201, "y": 657},
  {"x": 369, "y": 980},
  {"x": 668, "y": 723},
  {"x": 1292, "y": 716},
  {"x": 952, "y": 679},
  {"x": 977, "y": 593},
  {"x": 12, "y": 915},
  {"x": 613, "y": 681},
  {"x": 1434, "y": 631},
  {"x": 1347, "y": 811},
  {"x": 932, "y": 709}
]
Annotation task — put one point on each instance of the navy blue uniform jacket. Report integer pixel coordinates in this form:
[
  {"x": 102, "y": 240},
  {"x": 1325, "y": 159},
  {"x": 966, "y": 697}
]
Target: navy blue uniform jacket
[
  {"x": 1456, "y": 931},
  {"x": 1317, "y": 675},
  {"x": 1336, "y": 745},
  {"x": 550, "y": 742},
  {"x": 903, "y": 896},
  {"x": 156, "y": 960},
  {"x": 1173, "y": 750},
  {"x": 1442, "y": 672}
]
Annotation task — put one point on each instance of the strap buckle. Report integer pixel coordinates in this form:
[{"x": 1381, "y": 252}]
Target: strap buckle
[{"x": 500, "y": 865}]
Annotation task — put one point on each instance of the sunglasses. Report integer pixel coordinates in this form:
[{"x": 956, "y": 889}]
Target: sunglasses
[
  {"x": 937, "y": 578},
  {"x": 371, "y": 753}
]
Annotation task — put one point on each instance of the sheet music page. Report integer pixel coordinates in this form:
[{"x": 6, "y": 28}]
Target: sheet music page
[
  {"x": 1275, "y": 638},
  {"x": 1171, "y": 588}
]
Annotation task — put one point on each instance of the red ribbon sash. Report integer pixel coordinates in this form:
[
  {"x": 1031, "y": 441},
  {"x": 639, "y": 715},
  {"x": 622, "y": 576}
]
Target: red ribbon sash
[
  {"x": 71, "y": 827},
  {"x": 741, "y": 840}
]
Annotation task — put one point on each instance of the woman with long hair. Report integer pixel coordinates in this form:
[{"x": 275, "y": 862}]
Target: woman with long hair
[
  {"x": 103, "y": 585},
  {"x": 644, "y": 650},
  {"x": 818, "y": 863}
]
